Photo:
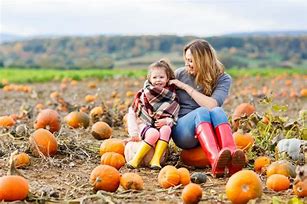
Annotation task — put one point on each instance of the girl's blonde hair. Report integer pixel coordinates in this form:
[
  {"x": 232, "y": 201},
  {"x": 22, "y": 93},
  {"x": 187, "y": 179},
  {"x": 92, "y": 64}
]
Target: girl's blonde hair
[
  {"x": 206, "y": 64},
  {"x": 163, "y": 64}
]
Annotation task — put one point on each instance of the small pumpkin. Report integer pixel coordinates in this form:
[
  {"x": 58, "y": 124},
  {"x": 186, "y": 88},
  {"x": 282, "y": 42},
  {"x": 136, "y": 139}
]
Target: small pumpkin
[
  {"x": 112, "y": 145},
  {"x": 113, "y": 159},
  {"x": 13, "y": 188},
  {"x": 48, "y": 119},
  {"x": 199, "y": 178},
  {"x": 261, "y": 164},
  {"x": 77, "y": 119},
  {"x": 21, "y": 160},
  {"x": 43, "y": 141},
  {"x": 191, "y": 193},
  {"x": 131, "y": 181},
  {"x": 6, "y": 121},
  {"x": 242, "y": 110},
  {"x": 242, "y": 140},
  {"x": 101, "y": 131},
  {"x": 90, "y": 98},
  {"x": 184, "y": 176},
  {"x": 168, "y": 177},
  {"x": 96, "y": 113},
  {"x": 281, "y": 167},
  {"x": 278, "y": 182},
  {"x": 194, "y": 157},
  {"x": 105, "y": 177},
  {"x": 243, "y": 186},
  {"x": 300, "y": 188}
]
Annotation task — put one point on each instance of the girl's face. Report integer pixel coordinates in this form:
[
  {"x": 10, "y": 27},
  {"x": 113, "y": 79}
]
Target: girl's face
[
  {"x": 158, "y": 77},
  {"x": 189, "y": 62}
]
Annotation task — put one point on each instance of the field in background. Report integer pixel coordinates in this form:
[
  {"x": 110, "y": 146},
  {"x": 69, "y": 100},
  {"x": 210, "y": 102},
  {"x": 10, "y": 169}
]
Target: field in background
[{"x": 44, "y": 75}]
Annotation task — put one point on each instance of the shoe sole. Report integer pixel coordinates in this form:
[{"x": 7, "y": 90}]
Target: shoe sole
[
  {"x": 223, "y": 161},
  {"x": 238, "y": 158}
]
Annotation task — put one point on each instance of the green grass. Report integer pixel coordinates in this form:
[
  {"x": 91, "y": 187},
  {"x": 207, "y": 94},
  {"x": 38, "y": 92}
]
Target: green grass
[{"x": 15, "y": 75}]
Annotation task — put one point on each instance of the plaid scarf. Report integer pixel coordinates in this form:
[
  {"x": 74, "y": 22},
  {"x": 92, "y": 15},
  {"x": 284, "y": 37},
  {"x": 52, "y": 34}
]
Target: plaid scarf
[{"x": 151, "y": 103}]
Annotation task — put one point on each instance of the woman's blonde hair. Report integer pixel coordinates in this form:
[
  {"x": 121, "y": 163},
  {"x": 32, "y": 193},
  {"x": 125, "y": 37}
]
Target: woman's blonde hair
[
  {"x": 165, "y": 65},
  {"x": 206, "y": 64}
]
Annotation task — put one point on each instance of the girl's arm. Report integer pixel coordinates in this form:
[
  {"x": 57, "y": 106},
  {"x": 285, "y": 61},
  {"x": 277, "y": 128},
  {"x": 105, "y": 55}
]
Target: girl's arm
[{"x": 133, "y": 129}]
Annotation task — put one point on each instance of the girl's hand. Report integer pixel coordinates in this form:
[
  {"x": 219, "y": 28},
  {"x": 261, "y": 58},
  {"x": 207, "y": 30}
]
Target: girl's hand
[
  {"x": 165, "y": 121},
  {"x": 178, "y": 83}
]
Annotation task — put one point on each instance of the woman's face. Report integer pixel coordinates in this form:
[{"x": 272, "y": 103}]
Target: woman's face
[
  {"x": 189, "y": 62},
  {"x": 158, "y": 77}
]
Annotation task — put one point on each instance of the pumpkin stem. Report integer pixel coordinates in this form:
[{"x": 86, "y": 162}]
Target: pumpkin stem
[{"x": 12, "y": 168}]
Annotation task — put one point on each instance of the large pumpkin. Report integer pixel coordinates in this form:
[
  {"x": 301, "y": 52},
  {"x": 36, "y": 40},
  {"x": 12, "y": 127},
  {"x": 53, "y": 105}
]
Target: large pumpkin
[
  {"x": 113, "y": 159},
  {"x": 13, "y": 188},
  {"x": 105, "y": 177},
  {"x": 112, "y": 145},
  {"x": 77, "y": 119},
  {"x": 101, "y": 131},
  {"x": 48, "y": 119},
  {"x": 194, "y": 157},
  {"x": 243, "y": 186},
  {"x": 132, "y": 147},
  {"x": 43, "y": 141}
]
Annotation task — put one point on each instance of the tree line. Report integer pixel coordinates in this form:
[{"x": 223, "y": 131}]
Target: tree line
[{"x": 105, "y": 52}]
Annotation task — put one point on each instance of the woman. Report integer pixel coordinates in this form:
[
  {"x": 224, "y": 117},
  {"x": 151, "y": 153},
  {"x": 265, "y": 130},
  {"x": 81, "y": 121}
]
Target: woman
[{"x": 202, "y": 89}]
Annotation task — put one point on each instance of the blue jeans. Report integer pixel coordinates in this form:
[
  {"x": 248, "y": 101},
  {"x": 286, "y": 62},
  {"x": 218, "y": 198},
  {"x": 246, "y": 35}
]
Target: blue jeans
[{"x": 183, "y": 134}]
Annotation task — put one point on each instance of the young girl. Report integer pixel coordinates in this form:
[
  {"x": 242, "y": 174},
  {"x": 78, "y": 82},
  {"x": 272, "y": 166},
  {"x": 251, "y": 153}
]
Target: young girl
[{"x": 153, "y": 113}]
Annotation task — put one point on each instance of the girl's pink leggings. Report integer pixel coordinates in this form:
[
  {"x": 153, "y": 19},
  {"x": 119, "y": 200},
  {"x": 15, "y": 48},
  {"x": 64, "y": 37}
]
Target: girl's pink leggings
[{"x": 152, "y": 135}]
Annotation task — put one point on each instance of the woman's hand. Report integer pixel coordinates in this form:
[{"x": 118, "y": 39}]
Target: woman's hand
[{"x": 165, "y": 121}]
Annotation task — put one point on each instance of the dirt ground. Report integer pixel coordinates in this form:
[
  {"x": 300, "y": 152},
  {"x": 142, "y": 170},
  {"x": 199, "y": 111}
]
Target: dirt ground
[{"x": 65, "y": 177}]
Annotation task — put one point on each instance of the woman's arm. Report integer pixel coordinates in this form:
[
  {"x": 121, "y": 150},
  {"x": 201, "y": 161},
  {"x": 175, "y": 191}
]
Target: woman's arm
[{"x": 199, "y": 98}]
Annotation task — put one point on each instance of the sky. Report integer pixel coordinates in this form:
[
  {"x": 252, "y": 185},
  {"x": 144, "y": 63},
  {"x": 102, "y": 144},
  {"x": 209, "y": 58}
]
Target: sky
[{"x": 150, "y": 17}]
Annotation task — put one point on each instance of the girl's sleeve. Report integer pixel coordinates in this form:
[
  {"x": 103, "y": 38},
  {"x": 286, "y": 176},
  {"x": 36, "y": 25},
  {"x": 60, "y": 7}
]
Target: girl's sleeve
[{"x": 133, "y": 129}]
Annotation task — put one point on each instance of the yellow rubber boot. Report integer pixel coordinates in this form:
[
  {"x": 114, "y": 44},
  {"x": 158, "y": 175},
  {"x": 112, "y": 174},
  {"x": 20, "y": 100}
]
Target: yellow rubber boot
[
  {"x": 142, "y": 151},
  {"x": 159, "y": 150}
]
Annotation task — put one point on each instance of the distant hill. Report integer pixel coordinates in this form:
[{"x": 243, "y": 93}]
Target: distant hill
[
  {"x": 269, "y": 34},
  {"x": 6, "y": 37},
  {"x": 101, "y": 52}
]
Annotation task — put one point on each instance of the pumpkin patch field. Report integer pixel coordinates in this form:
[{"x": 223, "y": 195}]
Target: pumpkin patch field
[{"x": 67, "y": 141}]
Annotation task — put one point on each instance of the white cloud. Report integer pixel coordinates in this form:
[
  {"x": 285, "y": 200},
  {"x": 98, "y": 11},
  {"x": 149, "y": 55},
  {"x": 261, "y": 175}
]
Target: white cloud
[{"x": 182, "y": 17}]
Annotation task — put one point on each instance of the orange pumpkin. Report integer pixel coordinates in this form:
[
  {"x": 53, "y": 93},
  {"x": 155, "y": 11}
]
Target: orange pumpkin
[
  {"x": 168, "y": 177},
  {"x": 6, "y": 121},
  {"x": 243, "y": 109},
  {"x": 261, "y": 163},
  {"x": 303, "y": 92},
  {"x": 21, "y": 160},
  {"x": 105, "y": 177},
  {"x": 77, "y": 119},
  {"x": 43, "y": 141},
  {"x": 300, "y": 188},
  {"x": 13, "y": 188},
  {"x": 281, "y": 167},
  {"x": 243, "y": 186},
  {"x": 242, "y": 140},
  {"x": 96, "y": 113},
  {"x": 112, "y": 145},
  {"x": 90, "y": 98},
  {"x": 131, "y": 181},
  {"x": 191, "y": 193},
  {"x": 194, "y": 157},
  {"x": 48, "y": 119},
  {"x": 101, "y": 131},
  {"x": 184, "y": 176},
  {"x": 278, "y": 182},
  {"x": 113, "y": 159}
]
